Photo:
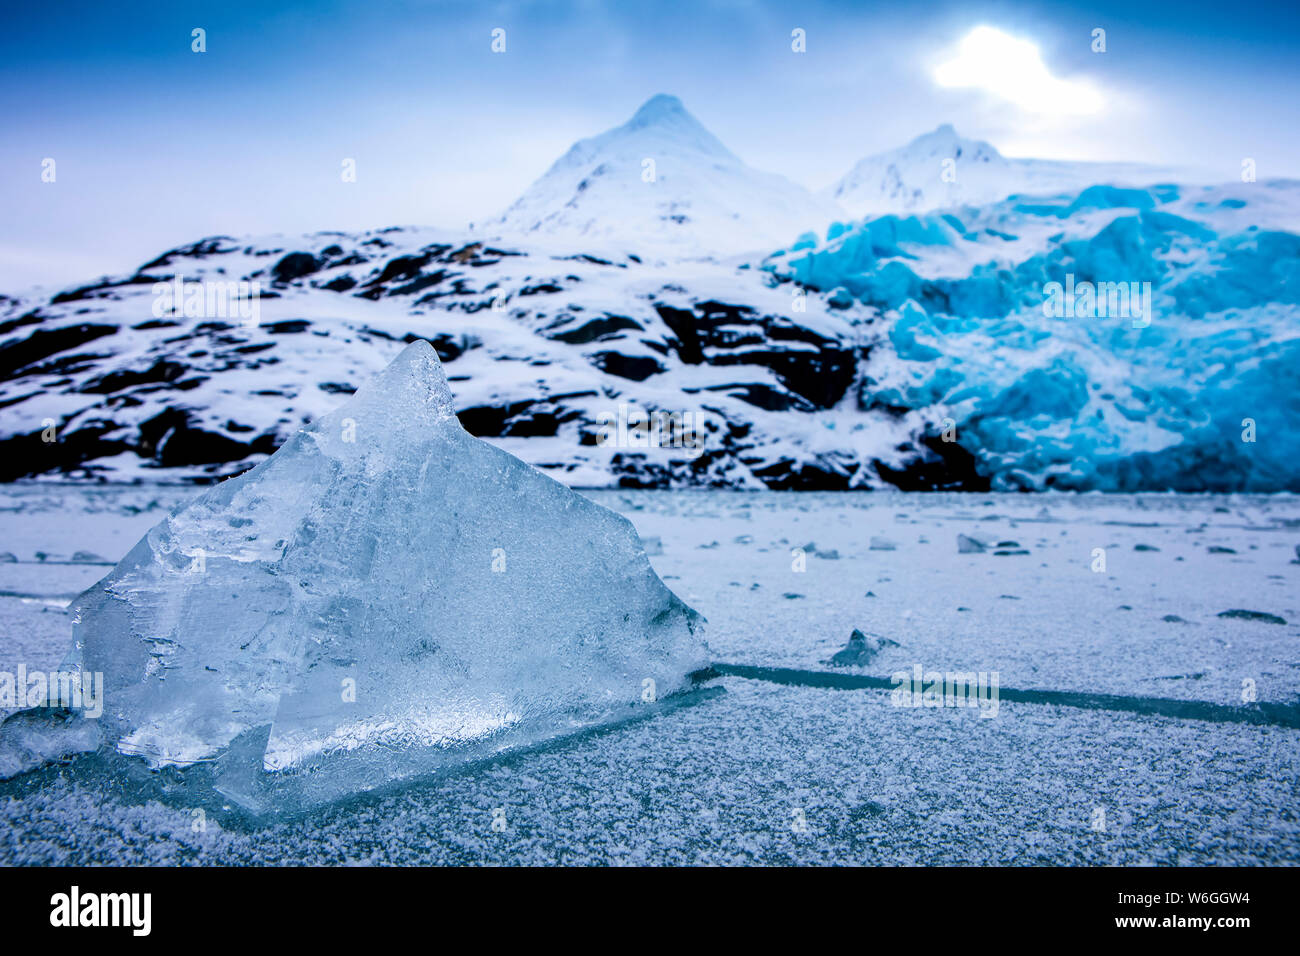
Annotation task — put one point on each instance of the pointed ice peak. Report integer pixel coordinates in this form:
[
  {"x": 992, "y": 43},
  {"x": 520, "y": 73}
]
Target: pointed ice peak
[
  {"x": 414, "y": 382},
  {"x": 370, "y": 557}
]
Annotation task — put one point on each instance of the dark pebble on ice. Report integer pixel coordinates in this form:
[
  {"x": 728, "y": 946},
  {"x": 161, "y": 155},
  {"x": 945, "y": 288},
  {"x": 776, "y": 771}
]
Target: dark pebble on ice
[
  {"x": 1253, "y": 616},
  {"x": 8, "y": 558},
  {"x": 1173, "y": 619},
  {"x": 791, "y": 596},
  {"x": 1001, "y": 554},
  {"x": 1009, "y": 597},
  {"x": 1145, "y": 547},
  {"x": 1215, "y": 549}
]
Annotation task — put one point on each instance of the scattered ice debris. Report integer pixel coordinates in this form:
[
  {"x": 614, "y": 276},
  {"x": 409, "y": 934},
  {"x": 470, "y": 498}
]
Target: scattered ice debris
[
  {"x": 33, "y": 737},
  {"x": 89, "y": 557},
  {"x": 968, "y": 545},
  {"x": 1173, "y": 619},
  {"x": 879, "y": 543},
  {"x": 1245, "y": 615},
  {"x": 860, "y": 649},
  {"x": 1217, "y": 549},
  {"x": 346, "y": 615},
  {"x": 791, "y": 596},
  {"x": 8, "y": 557},
  {"x": 653, "y": 545},
  {"x": 1015, "y": 551}
]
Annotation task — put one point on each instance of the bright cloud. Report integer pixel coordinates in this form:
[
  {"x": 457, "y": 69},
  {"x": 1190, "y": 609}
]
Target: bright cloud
[{"x": 1013, "y": 69}]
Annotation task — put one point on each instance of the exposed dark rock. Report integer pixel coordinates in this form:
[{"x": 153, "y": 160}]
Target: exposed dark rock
[
  {"x": 22, "y": 353},
  {"x": 595, "y": 329},
  {"x": 295, "y": 265},
  {"x": 635, "y": 367},
  {"x": 116, "y": 381},
  {"x": 948, "y": 467}
]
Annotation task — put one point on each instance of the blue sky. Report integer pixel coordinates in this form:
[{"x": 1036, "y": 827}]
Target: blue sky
[{"x": 156, "y": 145}]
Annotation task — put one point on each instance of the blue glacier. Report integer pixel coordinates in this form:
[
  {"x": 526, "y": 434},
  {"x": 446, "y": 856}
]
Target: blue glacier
[{"x": 1199, "y": 392}]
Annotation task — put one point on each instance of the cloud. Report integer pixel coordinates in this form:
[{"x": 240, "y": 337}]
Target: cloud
[{"x": 1012, "y": 68}]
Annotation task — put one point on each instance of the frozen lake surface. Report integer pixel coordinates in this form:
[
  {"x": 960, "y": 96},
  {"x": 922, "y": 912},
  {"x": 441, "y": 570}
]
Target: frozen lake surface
[{"x": 780, "y": 769}]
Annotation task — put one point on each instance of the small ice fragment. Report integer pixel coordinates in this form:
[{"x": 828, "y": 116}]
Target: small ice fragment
[
  {"x": 860, "y": 649},
  {"x": 968, "y": 545},
  {"x": 1245, "y": 615}
]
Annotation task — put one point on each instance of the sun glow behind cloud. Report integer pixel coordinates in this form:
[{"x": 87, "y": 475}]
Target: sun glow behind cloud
[{"x": 1013, "y": 69}]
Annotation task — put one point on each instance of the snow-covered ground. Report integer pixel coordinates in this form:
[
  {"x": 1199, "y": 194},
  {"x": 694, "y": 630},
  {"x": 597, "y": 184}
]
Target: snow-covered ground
[{"x": 780, "y": 769}]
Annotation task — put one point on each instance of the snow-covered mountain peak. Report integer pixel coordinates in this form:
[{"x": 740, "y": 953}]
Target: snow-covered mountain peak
[
  {"x": 944, "y": 142},
  {"x": 937, "y": 169},
  {"x": 661, "y": 126},
  {"x": 663, "y": 180},
  {"x": 666, "y": 112},
  {"x": 941, "y": 169}
]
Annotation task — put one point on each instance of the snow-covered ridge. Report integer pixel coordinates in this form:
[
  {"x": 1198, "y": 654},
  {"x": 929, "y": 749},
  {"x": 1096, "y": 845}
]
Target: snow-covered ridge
[
  {"x": 843, "y": 359},
  {"x": 540, "y": 350}
]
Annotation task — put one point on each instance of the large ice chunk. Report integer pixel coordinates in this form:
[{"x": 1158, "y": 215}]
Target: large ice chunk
[{"x": 384, "y": 596}]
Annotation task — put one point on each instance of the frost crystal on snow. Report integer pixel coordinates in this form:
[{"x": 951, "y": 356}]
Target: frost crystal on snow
[{"x": 385, "y": 596}]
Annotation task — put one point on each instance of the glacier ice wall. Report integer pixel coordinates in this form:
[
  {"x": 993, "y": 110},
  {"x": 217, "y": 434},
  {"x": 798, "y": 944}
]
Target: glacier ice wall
[{"x": 1198, "y": 394}]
